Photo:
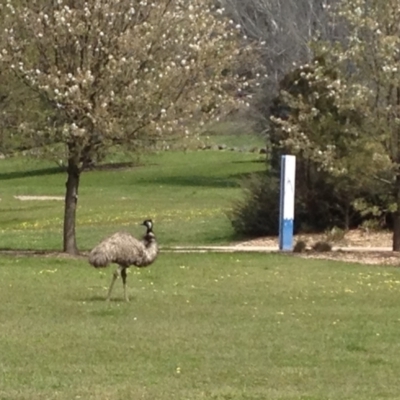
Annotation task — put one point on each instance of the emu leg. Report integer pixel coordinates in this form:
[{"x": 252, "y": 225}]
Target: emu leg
[
  {"x": 123, "y": 275},
  {"x": 116, "y": 274}
]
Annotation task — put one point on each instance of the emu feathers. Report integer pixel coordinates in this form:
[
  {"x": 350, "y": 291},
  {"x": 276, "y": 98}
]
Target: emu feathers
[{"x": 123, "y": 249}]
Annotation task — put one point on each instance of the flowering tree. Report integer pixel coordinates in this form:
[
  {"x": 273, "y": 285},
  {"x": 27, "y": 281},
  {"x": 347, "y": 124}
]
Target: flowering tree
[
  {"x": 121, "y": 72},
  {"x": 16, "y": 102},
  {"x": 366, "y": 86}
]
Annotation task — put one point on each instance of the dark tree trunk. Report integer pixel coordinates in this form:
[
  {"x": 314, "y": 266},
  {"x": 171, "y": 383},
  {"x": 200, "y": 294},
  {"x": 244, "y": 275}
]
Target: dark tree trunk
[
  {"x": 396, "y": 221},
  {"x": 396, "y": 143},
  {"x": 71, "y": 200},
  {"x": 347, "y": 216},
  {"x": 396, "y": 231}
]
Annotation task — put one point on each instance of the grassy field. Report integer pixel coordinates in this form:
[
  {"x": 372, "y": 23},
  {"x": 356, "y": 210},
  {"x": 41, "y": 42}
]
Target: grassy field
[
  {"x": 187, "y": 195},
  {"x": 200, "y": 326}
]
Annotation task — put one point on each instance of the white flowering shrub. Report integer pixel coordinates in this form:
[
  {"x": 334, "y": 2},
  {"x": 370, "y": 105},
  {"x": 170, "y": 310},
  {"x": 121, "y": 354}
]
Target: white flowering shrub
[{"x": 122, "y": 72}]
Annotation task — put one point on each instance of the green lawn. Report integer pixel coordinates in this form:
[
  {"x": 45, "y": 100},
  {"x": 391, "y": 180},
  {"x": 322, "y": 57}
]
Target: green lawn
[
  {"x": 186, "y": 194},
  {"x": 200, "y": 326}
]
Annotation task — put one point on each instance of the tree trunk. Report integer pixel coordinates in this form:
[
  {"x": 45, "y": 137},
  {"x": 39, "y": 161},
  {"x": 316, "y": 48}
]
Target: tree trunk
[
  {"x": 396, "y": 221},
  {"x": 71, "y": 200},
  {"x": 347, "y": 216}
]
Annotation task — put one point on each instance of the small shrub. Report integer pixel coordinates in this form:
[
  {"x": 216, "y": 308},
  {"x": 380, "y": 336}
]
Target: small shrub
[
  {"x": 300, "y": 247},
  {"x": 322, "y": 247},
  {"x": 335, "y": 234},
  {"x": 371, "y": 225}
]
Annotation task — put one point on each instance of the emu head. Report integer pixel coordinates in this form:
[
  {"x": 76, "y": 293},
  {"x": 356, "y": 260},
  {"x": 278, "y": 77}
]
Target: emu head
[{"x": 148, "y": 223}]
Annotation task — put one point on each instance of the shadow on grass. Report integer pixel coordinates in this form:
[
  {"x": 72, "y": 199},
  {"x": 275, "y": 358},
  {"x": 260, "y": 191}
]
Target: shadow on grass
[
  {"x": 29, "y": 206},
  {"x": 260, "y": 161},
  {"x": 233, "y": 180},
  {"x": 94, "y": 299},
  {"x": 116, "y": 166},
  {"x": 34, "y": 252},
  {"x": 59, "y": 170},
  {"x": 28, "y": 174},
  {"x": 108, "y": 311},
  {"x": 58, "y": 254},
  {"x": 99, "y": 299}
]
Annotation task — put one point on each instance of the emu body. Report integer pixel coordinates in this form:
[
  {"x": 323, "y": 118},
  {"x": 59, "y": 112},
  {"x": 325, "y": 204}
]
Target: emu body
[{"x": 123, "y": 249}]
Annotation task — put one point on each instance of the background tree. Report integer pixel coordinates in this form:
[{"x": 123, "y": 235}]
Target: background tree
[
  {"x": 333, "y": 161},
  {"x": 120, "y": 72},
  {"x": 285, "y": 28},
  {"x": 367, "y": 85},
  {"x": 16, "y": 102},
  {"x": 17, "y": 105}
]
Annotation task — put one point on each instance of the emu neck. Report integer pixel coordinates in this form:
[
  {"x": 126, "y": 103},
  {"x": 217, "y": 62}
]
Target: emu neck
[{"x": 149, "y": 238}]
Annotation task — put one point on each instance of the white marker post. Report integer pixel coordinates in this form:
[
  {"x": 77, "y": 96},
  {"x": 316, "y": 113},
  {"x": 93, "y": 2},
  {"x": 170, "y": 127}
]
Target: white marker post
[{"x": 286, "y": 209}]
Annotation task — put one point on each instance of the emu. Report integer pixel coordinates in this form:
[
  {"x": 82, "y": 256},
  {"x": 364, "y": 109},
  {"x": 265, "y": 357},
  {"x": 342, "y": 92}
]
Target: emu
[{"x": 124, "y": 250}]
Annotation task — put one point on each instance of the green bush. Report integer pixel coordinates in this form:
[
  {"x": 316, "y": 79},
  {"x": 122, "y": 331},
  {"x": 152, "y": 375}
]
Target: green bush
[
  {"x": 319, "y": 206},
  {"x": 257, "y": 213},
  {"x": 300, "y": 247},
  {"x": 324, "y": 199},
  {"x": 322, "y": 247}
]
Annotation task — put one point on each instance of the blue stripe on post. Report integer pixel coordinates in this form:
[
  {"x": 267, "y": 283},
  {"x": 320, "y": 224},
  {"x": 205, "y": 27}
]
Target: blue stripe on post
[
  {"x": 281, "y": 201},
  {"x": 286, "y": 237},
  {"x": 286, "y": 209}
]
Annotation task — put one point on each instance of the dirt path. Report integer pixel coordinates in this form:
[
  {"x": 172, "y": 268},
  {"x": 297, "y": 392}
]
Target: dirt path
[
  {"x": 358, "y": 246},
  {"x": 39, "y": 198}
]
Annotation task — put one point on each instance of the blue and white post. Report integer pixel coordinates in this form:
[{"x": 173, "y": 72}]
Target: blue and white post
[{"x": 286, "y": 209}]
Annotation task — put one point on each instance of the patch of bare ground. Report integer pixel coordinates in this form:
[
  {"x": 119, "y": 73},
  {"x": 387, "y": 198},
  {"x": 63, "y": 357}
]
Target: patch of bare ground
[
  {"x": 354, "y": 238},
  {"x": 40, "y": 198},
  {"x": 357, "y": 246}
]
